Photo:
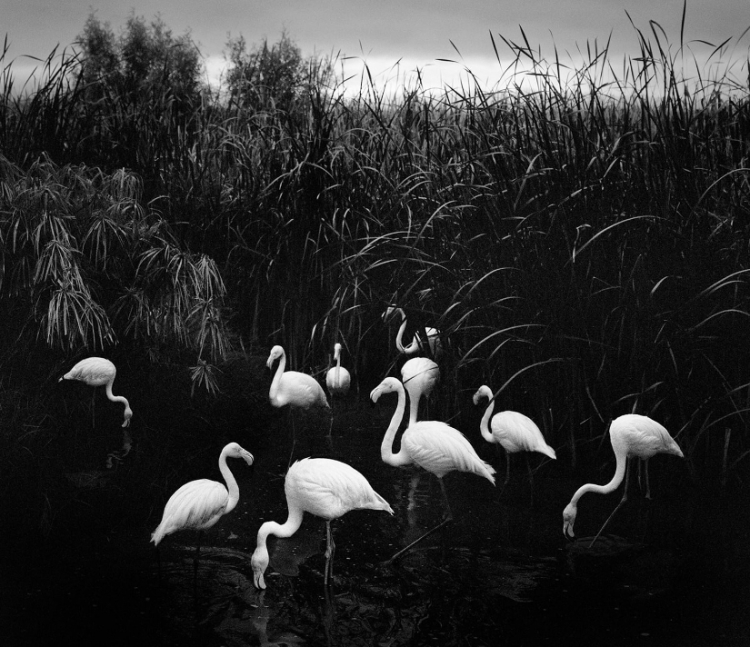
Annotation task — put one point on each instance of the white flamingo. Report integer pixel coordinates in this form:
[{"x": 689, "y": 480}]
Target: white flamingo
[
  {"x": 199, "y": 504},
  {"x": 97, "y": 371},
  {"x": 511, "y": 430},
  {"x": 325, "y": 488},
  {"x": 632, "y": 435},
  {"x": 433, "y": 346},
  {"x": 419, "y": 375},
  {"x": 433, "y": 445},
  {"x": 338, "y": 380},
  {"x": 298, "y": 390}
]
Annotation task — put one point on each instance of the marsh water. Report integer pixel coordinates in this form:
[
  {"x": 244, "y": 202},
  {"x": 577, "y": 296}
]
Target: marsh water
[{"x": 671, "y": 571}]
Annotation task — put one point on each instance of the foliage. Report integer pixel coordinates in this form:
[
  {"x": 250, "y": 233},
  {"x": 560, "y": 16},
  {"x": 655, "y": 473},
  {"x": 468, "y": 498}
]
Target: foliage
[
  {"x": 578, "y": 236},
  {"x": 84, "y": 265}
]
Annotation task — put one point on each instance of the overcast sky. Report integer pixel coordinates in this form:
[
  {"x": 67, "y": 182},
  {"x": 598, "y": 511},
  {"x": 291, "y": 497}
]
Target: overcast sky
[{"x": 382, "y": 32}]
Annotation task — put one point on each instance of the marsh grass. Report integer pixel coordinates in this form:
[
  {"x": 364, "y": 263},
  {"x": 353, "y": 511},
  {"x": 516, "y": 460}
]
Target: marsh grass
[{"x": 588, "y": 219}]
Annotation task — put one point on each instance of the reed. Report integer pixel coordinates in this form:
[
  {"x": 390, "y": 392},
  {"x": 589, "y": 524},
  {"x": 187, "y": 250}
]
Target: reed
[{"x": 584, "y": 221}]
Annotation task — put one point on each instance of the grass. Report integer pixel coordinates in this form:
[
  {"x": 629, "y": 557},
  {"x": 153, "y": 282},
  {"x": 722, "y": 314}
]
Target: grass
[{"x": 579, "y": 235}]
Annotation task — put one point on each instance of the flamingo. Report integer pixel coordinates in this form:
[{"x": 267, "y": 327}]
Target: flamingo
[
  {"x": 97, "y": 371},
  {"x": 298, "y": 390},
  {"x": 433, "y": 445},
  {"x": 417, "y": 343},
  {"x": 632, "y": 435},
  {"x": 513, "y": 431},
  {"x": 419, "y": 375},
  {"x": 200, "y": 504},
  {"x": 338, "y": 379},
  {"x": 326, "y": 488}
]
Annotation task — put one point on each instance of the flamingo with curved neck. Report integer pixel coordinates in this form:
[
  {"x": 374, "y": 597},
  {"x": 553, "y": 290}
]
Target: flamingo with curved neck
[
  {"x": 200, "y": 504},
  {"x": 326, "y": 488},
  {"x": 631, "y": 435},
  {"x": 417, "y": 344},
  {"x": 431, "y": 444},
  {"x": 298, "y": 390},
  {"x": 98, "y": 371},
  {"x": 510, "y": 430}
]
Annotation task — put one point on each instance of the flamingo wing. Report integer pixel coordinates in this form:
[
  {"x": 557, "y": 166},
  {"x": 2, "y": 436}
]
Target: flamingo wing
[
  {"x": 439, "y": 448},
  {"x": 94, "y": 371},
  {"x": 519, "y": 433},
  {"x": 329, "y": 488},
  {"x": 197, "y": 504},
  {"x": 300, "y": 390}
]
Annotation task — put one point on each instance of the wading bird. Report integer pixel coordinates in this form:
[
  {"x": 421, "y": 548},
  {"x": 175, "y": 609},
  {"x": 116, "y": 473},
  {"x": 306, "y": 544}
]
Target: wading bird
[
  {"x": 513, "y": 431},
  {"x": 198, "y": 505},
  {"x": 419, "y": 375},
  {"x": 433, "y": 445},
  {"x": 325, "y": 488},
  {"x": 97, "y": 371},
  {"x": 632, "y": 435},
  {"x": 338, "y": 380},
  {"x": 298, "y": 390},
  {"x": 433, "y": 347}
]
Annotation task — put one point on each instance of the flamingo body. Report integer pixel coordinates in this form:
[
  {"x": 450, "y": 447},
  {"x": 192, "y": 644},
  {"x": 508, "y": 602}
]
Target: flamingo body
[
  {"x": 97, "y": 371},
  {"x": 200, "y": 504},
  {"x": 631, "y": 435},
  {"x": 321, "y": 486},
  {"x": 512, "y": 430},
  {"x": 338, "y": 379},
  {"x": 292, "y": 388},
  {"x": 419, "y": 375}
]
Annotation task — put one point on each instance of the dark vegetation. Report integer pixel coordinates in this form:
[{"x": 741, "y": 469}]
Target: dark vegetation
[{"x": 580, "y": 236}]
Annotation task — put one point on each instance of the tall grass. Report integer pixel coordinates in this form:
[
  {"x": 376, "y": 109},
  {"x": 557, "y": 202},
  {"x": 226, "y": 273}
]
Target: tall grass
[{"x": 580, "y": 229}]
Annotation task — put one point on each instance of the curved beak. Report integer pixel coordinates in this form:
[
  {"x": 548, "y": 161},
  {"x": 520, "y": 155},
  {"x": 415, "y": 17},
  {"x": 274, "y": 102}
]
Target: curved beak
[
  {"x": 568, "y": 530},
  {"x": 248, "y": 457}
]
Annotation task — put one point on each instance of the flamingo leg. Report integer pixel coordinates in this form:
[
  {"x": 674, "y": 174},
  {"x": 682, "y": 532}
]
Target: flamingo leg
[
  {"x": 648, "y": 485},
  {"x": 507, "y": 468},
  {"x": 330, "y": 427},
  {"x": 448, "y": 517},
  {"x": 619, "y": 505},
  {"x": 294, "y": 437},
  {"x": 330, "y": 550},
  {"x": 196, "y": 556}
]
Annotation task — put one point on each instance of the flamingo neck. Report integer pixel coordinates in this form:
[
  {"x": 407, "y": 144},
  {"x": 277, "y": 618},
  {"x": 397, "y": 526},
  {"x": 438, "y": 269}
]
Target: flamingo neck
[
  {"x": 274, "y": 390},
  {"x": 232, "y": 487},
  {"x": 484, "y": 426},
  {"x": 608, "y": 487},
  {"x": 287, "y": 529},
  {"x": 411, "y": 348},
  {"x": 386, "y": 447},
  {"x": 117, "y": 398},
  {"x": 338, "y": 368}
]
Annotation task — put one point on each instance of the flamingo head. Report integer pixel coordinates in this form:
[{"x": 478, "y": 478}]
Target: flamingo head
[
  {"x": 390, "y": 311},
  {"x": 277, "y": 352},
  {"x": 235, "y": 451},
  {"x": 259, "y": 563},
  {"x": 388, "y": 385},
  {"x": 482, "y": 392},
  {"x": 569, "y": 518},
  {"x": 127, "y": 415},
  {"x": 336, "y": 350}
]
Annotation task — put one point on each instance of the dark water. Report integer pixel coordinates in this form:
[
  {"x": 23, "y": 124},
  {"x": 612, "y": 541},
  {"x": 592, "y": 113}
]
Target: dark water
[{"x": 672, "y": 571}]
